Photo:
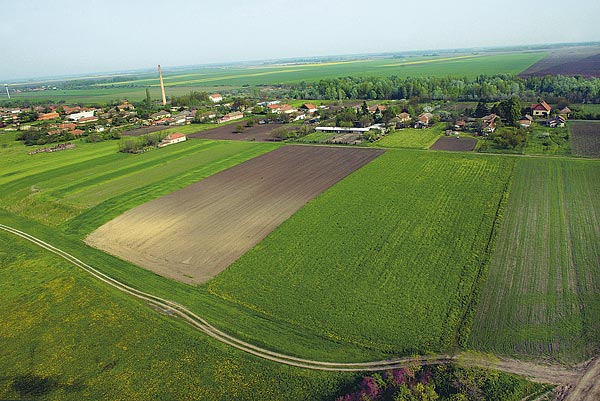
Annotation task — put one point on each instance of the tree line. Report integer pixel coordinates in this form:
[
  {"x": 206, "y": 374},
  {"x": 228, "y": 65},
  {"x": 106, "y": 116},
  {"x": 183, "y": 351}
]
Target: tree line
[{"x": 484, "y": 87}]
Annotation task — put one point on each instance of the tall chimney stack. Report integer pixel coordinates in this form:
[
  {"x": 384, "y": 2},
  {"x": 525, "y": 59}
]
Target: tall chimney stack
[
  {"x": 7, "y": 92},
  {"x": 162, "y": 86}
]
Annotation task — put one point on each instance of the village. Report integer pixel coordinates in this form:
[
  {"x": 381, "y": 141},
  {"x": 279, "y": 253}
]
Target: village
[{"x": 351, "y": 122}]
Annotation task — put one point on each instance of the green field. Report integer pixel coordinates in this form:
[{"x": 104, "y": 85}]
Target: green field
[
  {"x": 54, "y": 188},
  {"x": 223, "y": 79},
  {"x": 94, "y": 342},
  {"x": 548, "y": 141},
  {"x": 541, "y": 296},
  {"x": 412, "y": 137},
  {"x": 390, "y": 269}
]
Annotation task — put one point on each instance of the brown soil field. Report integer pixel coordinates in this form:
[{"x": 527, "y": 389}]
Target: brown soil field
[
  {"x": 258, "y": 132},
  {"x": 585, "y": 138},
  {"x": 145, "y": 130},
  {"x": 196, "y": 232},
  {"x": 454, "y": 144},
  {"x": 583, "y": 61}
]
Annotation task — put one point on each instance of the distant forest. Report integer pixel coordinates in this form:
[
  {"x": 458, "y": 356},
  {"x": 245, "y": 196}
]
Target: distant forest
[{"x": 483, "y": 88}]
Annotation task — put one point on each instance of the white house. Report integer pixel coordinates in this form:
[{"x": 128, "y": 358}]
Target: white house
[
  {"x": 215, "y": 97},
  {"x": 172, "y": 138}
]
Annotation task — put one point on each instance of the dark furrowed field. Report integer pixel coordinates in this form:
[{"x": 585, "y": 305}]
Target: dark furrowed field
[
  {"x": 386, "y": 259},
  {"x": 585, "y": 138},
  {"x": 541, "y": 295},
  {"x": 259, "y": 132},
  {"x": 454, "y": 144},
  {"x": 584, "y": 61},
  {"x": 192, "y": 234}
]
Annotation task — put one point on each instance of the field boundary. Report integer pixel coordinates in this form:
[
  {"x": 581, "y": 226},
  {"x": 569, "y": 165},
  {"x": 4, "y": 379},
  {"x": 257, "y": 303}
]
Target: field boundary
[{"x": 552, "y": 374}]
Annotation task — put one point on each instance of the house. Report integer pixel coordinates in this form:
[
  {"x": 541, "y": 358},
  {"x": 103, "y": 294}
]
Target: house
[
  {"x": 215, "y": 97},
  {"x": 66, "y": 126},
  {"x": 70, "y": 110},
  {"x": 236, "y": 115},
  {"x": 557, "y": 122},
  {"x": 281, "y": 108},
  {"x": 525, "y": 123},
  {"x": 565, "y": 111},
  {"x": 99, "y": 128},
  {"x": 49, "y": 116},
  {"x": 309, "y": 107},
  {"x": 541, "y": 109},
  {"x": 376, "y": 107},
  {"x": 180, "y": 119},
  {"x": 77, "y": 132},
  {"x": 86, "y": 120},
  {"x": 125, "y": 105},
  {"x": 170, "y": 139},
  {"x": 403, "y": 117},
  {"x": 489, "y": 123},
  {"x": 460, "y": 125},
  {"x": 423, "y": 120},
  {"x": 274, "y": 108},
  {"x": 160, "y": 115}
]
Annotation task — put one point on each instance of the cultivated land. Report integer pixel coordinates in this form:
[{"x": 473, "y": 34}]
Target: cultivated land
[
  {"x": 541, "y": 294},
  {"x": 82, "y": 188},
  {"x": 94, "y": 342},
  {"x": 455, "y": 144},
  {"x": 585, "y": 138},
  {"x": 387, "y": 259},
  {"x": 259, "y": 132},
  {"x": 192, "y": 234},
  {"x": 584, "y": 61},
  {"x": 222, "y": 79},
  {"x": 412, "y": 137}
]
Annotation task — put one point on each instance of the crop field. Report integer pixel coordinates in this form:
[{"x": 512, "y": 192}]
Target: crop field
[
  {"x": 541, "y": 295},
  {"x": 411, "y": 138},
  {"x": 259, "y": 132},
  {"x": 94, "y": 183},
  {"x": 192, "y": 234},
  {"x": 460, "y": 144},
  {"x": 584, "y": 61},
  {"x": 179, "y": 82},
  {"x": 66, "y": 336},
  {"x": 585, "y": 138},
  {"x": 387, "y": 259}
]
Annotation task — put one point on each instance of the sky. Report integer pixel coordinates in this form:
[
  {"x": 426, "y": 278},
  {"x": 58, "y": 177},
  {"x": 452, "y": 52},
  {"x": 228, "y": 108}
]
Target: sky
[{"x": 64, "y": 37}]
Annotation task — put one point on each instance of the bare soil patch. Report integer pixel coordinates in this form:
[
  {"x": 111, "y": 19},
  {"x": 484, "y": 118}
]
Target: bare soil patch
[
  {"x": 258, "y": 132},
  {"x": 585, "y": 138},
  {"x": 194, "y": 233},
  {"x": 454, "y": 144},
  {"x": 145, "y": 130},
  {"x": 583, "y": 61}
]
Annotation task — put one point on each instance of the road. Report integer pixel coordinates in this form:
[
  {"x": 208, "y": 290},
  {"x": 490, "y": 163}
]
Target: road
[{"x": 581, "y": 383}]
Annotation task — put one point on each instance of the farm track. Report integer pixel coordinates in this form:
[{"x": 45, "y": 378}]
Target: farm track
[{"x": 581, "y": 382}]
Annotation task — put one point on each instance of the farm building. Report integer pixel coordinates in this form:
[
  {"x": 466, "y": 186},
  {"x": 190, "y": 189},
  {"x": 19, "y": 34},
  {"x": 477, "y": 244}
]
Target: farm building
[
  {"x": 82, "y": 114},
  {"x": 489, "y": 123},
  {"x": 541, "y": 109},
  {"x": 377, "y": 108},
  {"x": 160, "y": 115},
  {"x": 423, "y": 120},
  {"x": 565, "y": 111},
  {"x": 557, "y": 122},
  {"x": 215, "y": 97},
  {"x": 170, "y": 139},
  {"x": 49, "y": 116},
  {"x": 236, "y": 115},
  {"x": 403, "y": 117},
  {"x": 309, "y": 107}
]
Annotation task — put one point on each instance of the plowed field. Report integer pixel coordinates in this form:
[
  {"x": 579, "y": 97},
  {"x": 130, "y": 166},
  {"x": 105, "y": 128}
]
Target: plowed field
[{"x": 192, "y": 234}]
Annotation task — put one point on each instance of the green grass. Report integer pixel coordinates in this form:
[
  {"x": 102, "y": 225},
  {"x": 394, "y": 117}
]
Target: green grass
[
  {"x": 386, "y": 259},
  {"x": 222, "y": 79},
  {"x": 85, "y": 340},
  {"x": 412, "y": 138},
  {"x": 541, "y": 296},
  {"x": 56, "y": 187},
  {"x": 548, "y": 141}
]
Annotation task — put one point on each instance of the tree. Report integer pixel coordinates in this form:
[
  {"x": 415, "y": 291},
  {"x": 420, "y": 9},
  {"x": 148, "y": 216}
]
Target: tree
[
  {"x": 511, "y": 109},
  {"x": 148, "y": 99},
  {"x": 481, "y": 110}
]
